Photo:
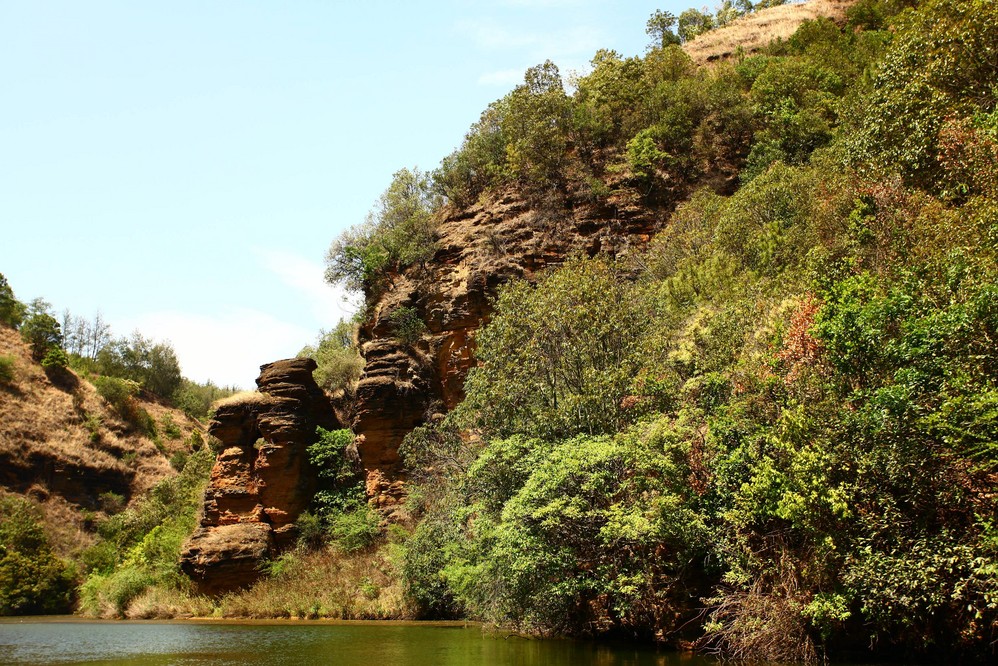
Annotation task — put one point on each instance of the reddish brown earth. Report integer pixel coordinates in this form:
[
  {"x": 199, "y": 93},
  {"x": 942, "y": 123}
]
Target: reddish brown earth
[{"x": 262, "y": 479}]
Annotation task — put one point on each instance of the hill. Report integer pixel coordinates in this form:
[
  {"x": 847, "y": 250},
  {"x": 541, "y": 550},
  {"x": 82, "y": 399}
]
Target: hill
[
  {"x": 753, "y": 32},
  {"x": 696, "y": 354},
  {"x": 72, "y": 453}
]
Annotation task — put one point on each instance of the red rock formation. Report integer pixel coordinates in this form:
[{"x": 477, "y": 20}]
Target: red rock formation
[
  {"x": 262, "y": 479},
  {"x": 481, "y": 247}
]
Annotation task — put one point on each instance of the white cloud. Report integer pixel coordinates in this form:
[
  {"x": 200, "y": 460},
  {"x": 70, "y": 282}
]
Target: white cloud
[
  {"x": 570, "y": 47},
  {"x": 226, "y": 347},
  {"x": 328, "y": 304},
  {"x": 229, "y": 345}
]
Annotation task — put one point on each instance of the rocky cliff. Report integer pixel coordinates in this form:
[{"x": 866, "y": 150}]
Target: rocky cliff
[
  {"x": 262, "y": 479},
  {"x": 509, "y": 236}
]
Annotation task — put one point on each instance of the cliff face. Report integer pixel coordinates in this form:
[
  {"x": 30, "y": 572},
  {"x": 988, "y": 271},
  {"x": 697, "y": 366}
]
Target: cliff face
[
  {"x": 262, "y": 479},
  {"x": 480, "y": 248}
]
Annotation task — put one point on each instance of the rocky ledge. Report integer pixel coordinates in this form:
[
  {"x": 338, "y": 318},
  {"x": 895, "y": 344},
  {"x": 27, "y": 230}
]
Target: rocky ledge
[{"x": 262, "y": 479}]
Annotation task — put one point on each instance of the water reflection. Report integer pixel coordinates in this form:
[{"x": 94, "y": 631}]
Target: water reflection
[{"x": 188, "y": 643}]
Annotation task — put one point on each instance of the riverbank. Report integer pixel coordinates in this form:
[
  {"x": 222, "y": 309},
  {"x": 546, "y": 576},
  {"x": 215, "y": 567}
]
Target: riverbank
[{"x": 72, "y": 640}]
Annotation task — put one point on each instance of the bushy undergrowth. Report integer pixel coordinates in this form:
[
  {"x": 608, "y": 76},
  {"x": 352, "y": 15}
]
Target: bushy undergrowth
[
  {"x": 6, "y": 369},
  {"x": 339, "y": 514},
  {"x": 139, "y": 547},
  {"x": 775, "y": 433},
  {"x": 33, "y": 580}
]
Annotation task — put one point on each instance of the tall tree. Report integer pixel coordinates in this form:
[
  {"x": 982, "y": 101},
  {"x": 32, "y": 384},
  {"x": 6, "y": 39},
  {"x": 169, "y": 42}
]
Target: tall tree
[
  {"x": 659, "y": 28},
  {"x": 11, "y": 309}
]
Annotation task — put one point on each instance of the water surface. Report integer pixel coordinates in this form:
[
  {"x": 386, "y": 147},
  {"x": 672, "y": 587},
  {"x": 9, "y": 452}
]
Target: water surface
[{"x": 73, "y": 641}]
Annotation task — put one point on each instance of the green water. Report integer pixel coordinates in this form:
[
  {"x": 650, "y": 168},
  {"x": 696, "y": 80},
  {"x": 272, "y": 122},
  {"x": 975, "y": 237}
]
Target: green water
[{"x": 377, "y": 644}]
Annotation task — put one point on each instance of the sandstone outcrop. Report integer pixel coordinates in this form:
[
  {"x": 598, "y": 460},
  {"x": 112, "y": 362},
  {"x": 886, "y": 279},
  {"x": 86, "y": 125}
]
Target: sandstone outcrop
[
  {"x": 262, "y": 479},
  {"x": 480, "y": 248}
]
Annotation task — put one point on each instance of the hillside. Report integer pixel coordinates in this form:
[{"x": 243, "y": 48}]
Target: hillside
[
  {"x": 64, "y": 447},
  {"x": 703, "y": 351},
  {"x": 749, "y": 34},
  {"x": 699, "y": 352}
]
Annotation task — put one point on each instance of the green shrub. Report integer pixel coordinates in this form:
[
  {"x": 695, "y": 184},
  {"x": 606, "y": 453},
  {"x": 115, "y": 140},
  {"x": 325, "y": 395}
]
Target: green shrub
[
  {"x": 101, "y": 594},
  {"x": 55, "y": 359},
  {"x": 32, "y": 579},
  {"x": 118, "y": 393},
  {"x": 7, "y": 373},
  {"x": 170, "y": 429},
  {"x": 354, "y": 529},
  {"x": 179, "y": 460},
  {"x": 340, "y": 364},
  {"x": 111, "y": 502},
  {"x": 407, "y": 325}
]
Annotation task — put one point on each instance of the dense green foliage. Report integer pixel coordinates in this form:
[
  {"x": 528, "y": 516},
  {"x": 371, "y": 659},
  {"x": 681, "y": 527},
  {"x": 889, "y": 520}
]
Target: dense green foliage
[
  {"x": 196, "y": 399},
  {"x": 140, "y": 546},
  {"x": 339, "y": 514},
  {"x": 783, "y": 418},
  {"x": 335, "y": 352},
  {"x": 152, "y": 365},
  {"x": 32, "y": 579}
]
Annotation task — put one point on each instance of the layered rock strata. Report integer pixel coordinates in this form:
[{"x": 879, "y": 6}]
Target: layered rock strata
[
  {"x": 481, "y": 247},
  {"x": 262, "y": 479}
]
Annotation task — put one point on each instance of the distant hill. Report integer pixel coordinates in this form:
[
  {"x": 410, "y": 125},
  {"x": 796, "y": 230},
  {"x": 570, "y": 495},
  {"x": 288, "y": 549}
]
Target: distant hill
[{"x": 754, "y": 31}]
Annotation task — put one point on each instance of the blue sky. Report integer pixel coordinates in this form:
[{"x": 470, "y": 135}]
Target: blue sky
[{"x": 183, "y": 166}]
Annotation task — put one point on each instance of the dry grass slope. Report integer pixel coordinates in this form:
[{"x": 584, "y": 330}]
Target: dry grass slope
[
  {"x": 758, "y": 29},
  {"x": 62, "y": 446},
  {"x": 308, "y": 586}
]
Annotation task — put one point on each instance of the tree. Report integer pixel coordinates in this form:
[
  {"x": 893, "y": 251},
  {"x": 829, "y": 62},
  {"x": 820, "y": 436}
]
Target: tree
[
  {"x": 11, "y": 309},
  {"x": 536, "y": 126},
  {"x": 153, "y": 365},
  {"x": 693, "y": 23},
  {"x": 556, "y": 357},
  {"x": 397, "y": 233},
  {"x": 659, "y": 28},
  {"x": 42, "y": 332},
  {"x": 32, "y": 579},
  {"x": 728, "y": 11}
]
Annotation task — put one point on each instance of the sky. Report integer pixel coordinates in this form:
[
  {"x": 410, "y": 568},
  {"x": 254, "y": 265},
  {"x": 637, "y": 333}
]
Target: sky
[{"x": 182, "y": 167}]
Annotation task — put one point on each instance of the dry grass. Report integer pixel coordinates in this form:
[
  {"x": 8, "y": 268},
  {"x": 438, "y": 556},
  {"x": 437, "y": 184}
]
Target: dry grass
[
  {"x": 242, "y": 398},
  {"x": 160, "y": 603},
  {"x": 51, "y": 433},
  {"x": 756, "y": 30},
  {"x": 325, "y": 584},
  {"x": 309, "y": 586}
]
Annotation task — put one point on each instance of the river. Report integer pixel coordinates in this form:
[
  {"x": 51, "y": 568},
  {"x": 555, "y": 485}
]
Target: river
[{"x": 189, "y": 643}]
